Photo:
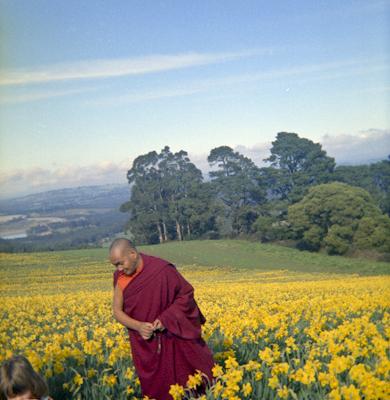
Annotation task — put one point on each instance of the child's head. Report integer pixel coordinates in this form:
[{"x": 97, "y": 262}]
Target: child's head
[{"x": 19, "y": 381}]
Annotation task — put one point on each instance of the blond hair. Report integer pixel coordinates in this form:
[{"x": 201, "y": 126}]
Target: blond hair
[{"x": 17, "y": 376}]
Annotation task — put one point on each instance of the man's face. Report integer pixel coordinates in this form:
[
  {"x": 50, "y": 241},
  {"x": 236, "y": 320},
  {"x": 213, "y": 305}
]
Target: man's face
[{"x": 124, "y": 260}]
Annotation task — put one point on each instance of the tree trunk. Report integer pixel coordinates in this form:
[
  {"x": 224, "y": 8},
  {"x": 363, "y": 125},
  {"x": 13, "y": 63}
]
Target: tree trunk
[
  {"x": 165, "y": 235},
  {"x": 160, "y": 235},
  {"x": 188, "y": 229},
  {"x": 178, "y": 231}
]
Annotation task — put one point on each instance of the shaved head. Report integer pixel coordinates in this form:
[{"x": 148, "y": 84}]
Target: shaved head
[
  {"x": 121, "y": 244},
  {"x": 124, "y": 256}
]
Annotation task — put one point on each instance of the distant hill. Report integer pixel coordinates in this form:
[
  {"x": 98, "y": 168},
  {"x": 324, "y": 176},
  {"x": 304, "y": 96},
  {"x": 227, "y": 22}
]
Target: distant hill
[
  {"x": 96, "y": 196},
  {"x": 63, "y": 219}
]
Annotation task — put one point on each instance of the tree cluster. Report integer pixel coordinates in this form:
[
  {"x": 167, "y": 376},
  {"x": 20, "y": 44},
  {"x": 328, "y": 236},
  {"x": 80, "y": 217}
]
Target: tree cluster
[
  {"x": 168, "y": 198},
  {"x": 302, "y": 196}
]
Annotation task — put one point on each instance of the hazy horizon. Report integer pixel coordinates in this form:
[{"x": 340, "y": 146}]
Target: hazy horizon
[{"x": 41, "y": 180}]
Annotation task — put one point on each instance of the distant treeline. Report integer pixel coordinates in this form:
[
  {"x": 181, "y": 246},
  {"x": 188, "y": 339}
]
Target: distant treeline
[{"x": 300, "y": 197}]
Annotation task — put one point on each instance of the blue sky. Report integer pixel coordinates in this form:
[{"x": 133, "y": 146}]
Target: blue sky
[{"x": 87, "y": 86}]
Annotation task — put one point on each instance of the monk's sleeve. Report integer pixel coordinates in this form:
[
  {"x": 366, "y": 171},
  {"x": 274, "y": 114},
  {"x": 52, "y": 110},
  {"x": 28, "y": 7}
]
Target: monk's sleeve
[{"x": 183, "y": 316}]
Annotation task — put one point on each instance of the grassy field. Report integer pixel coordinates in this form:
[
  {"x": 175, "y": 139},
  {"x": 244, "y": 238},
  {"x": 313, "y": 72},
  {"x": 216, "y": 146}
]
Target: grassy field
[
  {"x": 259, "y": 256},
  {"x": 282, "y": 324},
  {"x": 238, "y": 254}
]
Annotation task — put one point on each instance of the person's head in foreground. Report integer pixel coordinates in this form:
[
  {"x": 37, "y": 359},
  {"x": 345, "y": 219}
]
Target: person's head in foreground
[
  {"x": 124, "y": 256},
  {"x": 19, "y": 381}
]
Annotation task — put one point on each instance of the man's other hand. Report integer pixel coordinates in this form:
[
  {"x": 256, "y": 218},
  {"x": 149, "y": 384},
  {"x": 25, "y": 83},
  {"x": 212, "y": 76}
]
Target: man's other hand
[{"x": 157, "y": 325}]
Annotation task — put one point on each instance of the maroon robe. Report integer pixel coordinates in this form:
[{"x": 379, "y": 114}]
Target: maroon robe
[{"x": 160, "y": 291}]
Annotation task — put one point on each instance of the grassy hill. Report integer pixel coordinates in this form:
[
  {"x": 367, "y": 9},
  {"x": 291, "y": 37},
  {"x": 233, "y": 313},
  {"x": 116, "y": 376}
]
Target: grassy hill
[{"x": 242, "y": 254}]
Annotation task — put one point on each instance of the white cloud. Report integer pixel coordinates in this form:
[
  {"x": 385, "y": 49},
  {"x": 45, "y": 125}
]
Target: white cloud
[
  {"x": 37, "y": 179},
  {"x": 20, "y": 182},
  {"x": 256, "y": 153},
  {"x": 364, "y": 147},
  {"x": 104, "y": 68},
  {"x": 200, "y": 160}
]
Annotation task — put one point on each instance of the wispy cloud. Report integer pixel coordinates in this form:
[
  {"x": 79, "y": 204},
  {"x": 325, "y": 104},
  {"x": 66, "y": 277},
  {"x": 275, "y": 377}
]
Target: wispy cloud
[
  {"x": 41, "y": 95},
  {"x": 137, "y": 97},
  {"x": 303, "y": 73},
  {"x": 105, "y": 68}
]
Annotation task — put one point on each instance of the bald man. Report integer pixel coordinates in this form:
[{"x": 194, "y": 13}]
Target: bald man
[{"x": 156, "y": 304}]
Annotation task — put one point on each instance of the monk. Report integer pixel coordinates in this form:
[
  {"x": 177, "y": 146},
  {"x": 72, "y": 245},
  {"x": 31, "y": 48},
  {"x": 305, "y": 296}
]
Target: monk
[{"x": 153, "y": 300}]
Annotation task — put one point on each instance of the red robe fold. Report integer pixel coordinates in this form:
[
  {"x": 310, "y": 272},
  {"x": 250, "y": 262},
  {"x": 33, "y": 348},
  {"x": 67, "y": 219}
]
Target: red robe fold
[{"x": 160, "y": 291}]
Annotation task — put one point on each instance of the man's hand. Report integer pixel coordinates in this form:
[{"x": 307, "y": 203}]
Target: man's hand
[
  {"x": 157, "y": 325},
  {"x": 145, "y": 329}
]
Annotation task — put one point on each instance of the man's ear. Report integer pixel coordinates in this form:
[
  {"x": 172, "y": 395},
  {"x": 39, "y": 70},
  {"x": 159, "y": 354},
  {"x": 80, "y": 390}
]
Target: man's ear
[{"x": 133, "y": 252}]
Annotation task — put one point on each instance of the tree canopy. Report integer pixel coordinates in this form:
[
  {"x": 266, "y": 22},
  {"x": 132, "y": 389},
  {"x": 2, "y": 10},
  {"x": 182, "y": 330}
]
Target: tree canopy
[
  {"x": 334, "y": 215},
  {"x": 300, "y": 163},
  {"x": 238, "y": 186},
  {"x": 165, "y": 190}
]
